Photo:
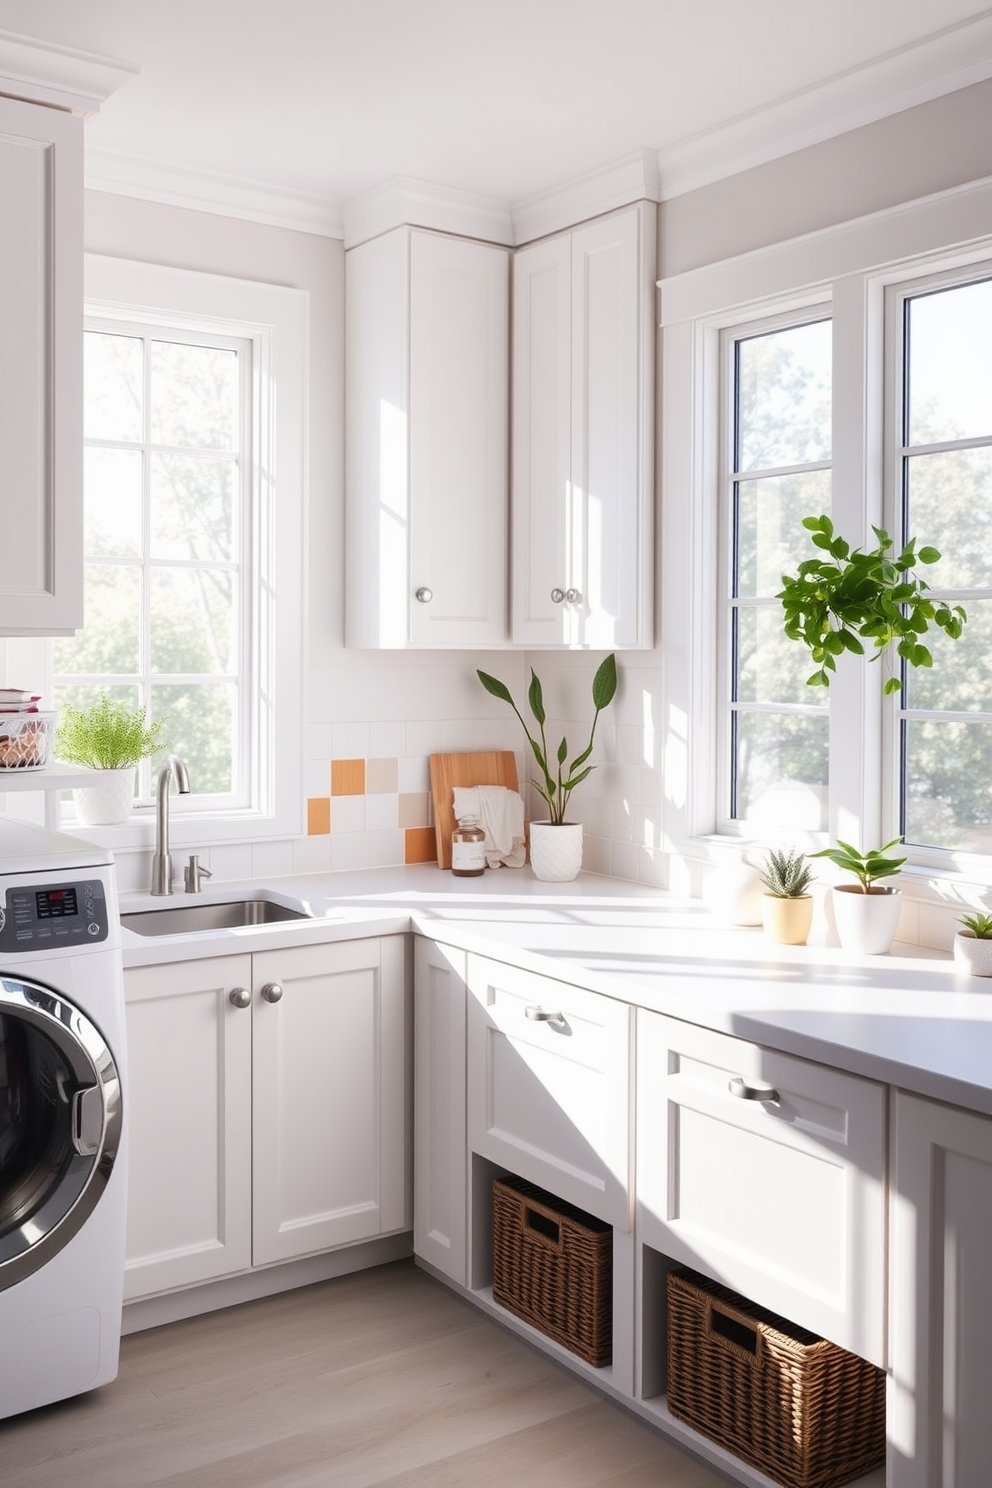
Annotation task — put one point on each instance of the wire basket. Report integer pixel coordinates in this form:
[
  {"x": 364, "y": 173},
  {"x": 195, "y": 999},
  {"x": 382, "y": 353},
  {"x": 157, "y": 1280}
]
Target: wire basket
[{"x": 26, "y": 740}]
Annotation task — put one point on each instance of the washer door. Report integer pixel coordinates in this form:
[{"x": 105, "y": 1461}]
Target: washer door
[{"x": 60, "y": 1124}]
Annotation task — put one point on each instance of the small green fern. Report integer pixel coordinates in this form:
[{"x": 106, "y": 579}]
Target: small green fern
[
  {"x": 107, "y": 735},
  {"x": 787, "y": 873}
]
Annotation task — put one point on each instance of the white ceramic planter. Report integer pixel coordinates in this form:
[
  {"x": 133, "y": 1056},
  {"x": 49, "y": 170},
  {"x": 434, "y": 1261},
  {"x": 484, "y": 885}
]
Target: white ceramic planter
[
  {"x": 866, "y": 923},
  {"x": 972, "y": 954},
  {"x": 108, "y": 801},
  {"x": 787, "y": 921},
  {"x": 732, "y": 892},
  {"x": 556, "y": 850}
]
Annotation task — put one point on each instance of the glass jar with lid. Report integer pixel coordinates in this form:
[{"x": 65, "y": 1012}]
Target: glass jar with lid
[{"x": 468, "y": 848}]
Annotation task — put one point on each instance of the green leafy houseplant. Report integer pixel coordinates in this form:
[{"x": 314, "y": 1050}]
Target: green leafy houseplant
[
  {"x": 557, "y": 781},
  {"x": 834, "y": 604},
  {"x": 980, "y": 925},
  {"x": 108, "y": 735},
  {"x": 786, "y": 874},
  {"x": 866, "y": 867}
]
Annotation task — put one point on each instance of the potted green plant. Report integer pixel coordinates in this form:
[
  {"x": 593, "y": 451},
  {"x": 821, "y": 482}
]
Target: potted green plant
[
  {"x": 973, "y": 944},
  {"x": 556, "y": 845},
  {"x": 836, "y": 603},
  {"x": 786, "y": 904},
  {"x": 866, "y": 916},
  {"x": 111, "y": 737}
]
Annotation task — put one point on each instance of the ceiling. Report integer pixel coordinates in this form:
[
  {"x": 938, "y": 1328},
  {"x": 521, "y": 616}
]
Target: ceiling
[{"x": 286, "y": 110}]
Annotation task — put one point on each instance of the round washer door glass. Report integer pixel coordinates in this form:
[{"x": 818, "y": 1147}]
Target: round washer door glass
[{"x": 60, "y": 1123}]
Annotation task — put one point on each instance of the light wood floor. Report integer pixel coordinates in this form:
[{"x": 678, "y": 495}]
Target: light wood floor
[{"x": 380, "y": 1378}]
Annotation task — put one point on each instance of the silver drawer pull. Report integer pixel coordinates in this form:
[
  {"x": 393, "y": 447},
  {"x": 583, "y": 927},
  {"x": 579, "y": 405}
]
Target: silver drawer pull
[
  {"x": 557, "y": 596},
  {"x": 538, "y": 1015},
  {"x": 272, "y": 992},
  {"x": 767, "y": 1095},
  {"x": 573, "y": 596},
  {"x": 423, "y": 595},
  {"x": 240, "y": 996}
]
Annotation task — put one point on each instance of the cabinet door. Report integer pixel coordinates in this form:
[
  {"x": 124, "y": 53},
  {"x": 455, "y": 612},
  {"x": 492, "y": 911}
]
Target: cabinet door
[
  {"x": 41, "y": 369},
  {"x": 609, "y": 519},
  {"x": 440, "y": 1152},
  {"x": 189, "y": 1116},
  {"x": 459, "y": 326},
  {"x": 549, "y": 1085},
  {"x": 781, "y": 1200},
  {"x": 426, "y": 352},
  {"x": 940, "y": 1430},
  {"x": 583, "y": 430},
  {"x": 331, "y": 1085},
  {"x": 542, "y": 491}
]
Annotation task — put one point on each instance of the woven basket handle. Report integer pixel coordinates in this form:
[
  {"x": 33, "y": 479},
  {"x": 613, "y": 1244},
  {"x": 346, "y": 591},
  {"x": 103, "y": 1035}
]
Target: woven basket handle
[
  {"x": 542, "y": 1225},
  {"x": 734, "y": 1331}
]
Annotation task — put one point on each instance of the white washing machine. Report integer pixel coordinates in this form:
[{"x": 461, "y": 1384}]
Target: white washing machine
[{"x": 62, "y": 1127}]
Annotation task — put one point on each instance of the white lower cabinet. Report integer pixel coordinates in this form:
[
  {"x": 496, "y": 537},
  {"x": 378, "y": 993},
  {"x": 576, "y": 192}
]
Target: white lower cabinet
[
  {"x": 549, "y": 1086},
  {"x": 940, "y": 1428},
  {"x": 765, "y": 1172},
  {"x": 440, "y": 1150},
  {"x": 268, "y": 1109}
]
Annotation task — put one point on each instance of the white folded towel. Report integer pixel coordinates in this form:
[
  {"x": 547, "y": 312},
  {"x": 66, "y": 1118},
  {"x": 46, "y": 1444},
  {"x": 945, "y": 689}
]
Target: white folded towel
[{"x": 501, "y": 816}]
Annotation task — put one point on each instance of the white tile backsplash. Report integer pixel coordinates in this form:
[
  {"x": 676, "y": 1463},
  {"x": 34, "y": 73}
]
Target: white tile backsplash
[{"x": 272, "y": 859}]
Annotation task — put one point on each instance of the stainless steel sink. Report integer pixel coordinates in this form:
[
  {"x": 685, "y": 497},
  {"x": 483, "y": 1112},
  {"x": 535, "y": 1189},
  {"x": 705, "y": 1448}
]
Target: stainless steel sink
[{"x": 180, "y": 919}]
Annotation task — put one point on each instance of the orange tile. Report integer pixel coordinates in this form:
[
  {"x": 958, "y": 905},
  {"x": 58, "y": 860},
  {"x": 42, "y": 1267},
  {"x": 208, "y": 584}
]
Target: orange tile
[
  {"x": 318, "y": 816},
  {"x": 419, "y": 845},
  {"x": 348, "y": 777}
]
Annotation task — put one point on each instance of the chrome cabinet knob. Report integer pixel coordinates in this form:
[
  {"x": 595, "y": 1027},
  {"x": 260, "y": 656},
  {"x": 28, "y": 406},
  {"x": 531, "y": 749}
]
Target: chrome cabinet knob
[
  {"x": 423, "y": 595},
  {"x": 240, "y": 996},
  {"x": 271, "y": 992},
  {"x": 557, "y": 596},
  {"x": 573, "y": 596}
]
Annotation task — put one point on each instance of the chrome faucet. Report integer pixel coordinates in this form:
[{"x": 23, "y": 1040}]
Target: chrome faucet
[{"x": 162, "y": 861}]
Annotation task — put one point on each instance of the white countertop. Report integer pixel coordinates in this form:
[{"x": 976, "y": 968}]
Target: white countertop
[{"x": 910, "y": 1018}]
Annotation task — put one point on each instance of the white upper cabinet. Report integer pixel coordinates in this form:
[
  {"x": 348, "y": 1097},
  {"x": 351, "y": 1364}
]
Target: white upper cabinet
[
  {"x": 41, "y": 369},
  {"x": 426, "y": 338},
  {"x": 582, "y": 462}
]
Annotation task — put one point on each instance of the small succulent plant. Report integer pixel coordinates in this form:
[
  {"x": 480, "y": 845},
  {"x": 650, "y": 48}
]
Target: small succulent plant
[
  {"x": 787, "y": 873},
  {"x": 979, "y": 924}
]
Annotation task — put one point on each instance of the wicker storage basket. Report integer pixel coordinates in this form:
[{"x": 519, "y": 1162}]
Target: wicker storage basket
[
  {"x": 802, "y": 1410},
  {"x": 553, "y": 1267}
]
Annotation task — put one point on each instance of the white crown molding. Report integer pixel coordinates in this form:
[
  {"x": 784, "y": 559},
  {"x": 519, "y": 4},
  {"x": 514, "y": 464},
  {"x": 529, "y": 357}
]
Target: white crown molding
[
  {"x": 206, "y": 191},
  {"x": 41, "y": 72},
  {"x": 406, "y": 202},
  {"x": 914, "y": 74},
  {"x": 954, "y": 224},
  {"x": 634, "y": 178}
]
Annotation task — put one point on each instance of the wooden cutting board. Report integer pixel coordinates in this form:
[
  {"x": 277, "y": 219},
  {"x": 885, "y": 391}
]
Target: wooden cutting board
[{"x": 487, "y": 767}]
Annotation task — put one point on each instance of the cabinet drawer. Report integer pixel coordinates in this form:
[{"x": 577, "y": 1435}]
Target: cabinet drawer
[
  {"x": 780, "y": 1199},
  {"x": 549, "y": 1085}
]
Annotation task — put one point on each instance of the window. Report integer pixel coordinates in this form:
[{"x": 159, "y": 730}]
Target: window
[
  {"x": 168, "y": 561},
  {"x": 247, "y": 669},
  {"x": 847, "y": 371},
  {"x": 943, "y": 489},
  {"x": 777, "y": 471}
]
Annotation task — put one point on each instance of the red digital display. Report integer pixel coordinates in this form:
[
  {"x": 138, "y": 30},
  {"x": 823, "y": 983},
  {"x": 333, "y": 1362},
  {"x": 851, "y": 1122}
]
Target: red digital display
[{"x": 56, "y": 904}]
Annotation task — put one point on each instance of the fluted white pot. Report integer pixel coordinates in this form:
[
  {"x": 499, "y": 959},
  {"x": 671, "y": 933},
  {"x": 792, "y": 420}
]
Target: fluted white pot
[
  {"x": 556, "y": 850},
  {"x": 972, "y": 953},
  {"x": 107, "y": 801},
  {"x": 866, "y": 923}
]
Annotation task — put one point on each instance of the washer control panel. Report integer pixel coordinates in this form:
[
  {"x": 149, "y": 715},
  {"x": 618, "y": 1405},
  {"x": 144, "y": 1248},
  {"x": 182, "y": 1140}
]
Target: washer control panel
[{"x": 52, "y": 916}]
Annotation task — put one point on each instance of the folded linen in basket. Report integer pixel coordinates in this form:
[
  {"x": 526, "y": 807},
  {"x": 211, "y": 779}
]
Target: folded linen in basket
[{"x": 501, "y": 816}]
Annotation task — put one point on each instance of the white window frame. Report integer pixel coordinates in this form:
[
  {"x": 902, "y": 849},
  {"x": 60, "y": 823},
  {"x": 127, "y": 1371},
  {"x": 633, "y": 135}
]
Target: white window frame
[
  {"x": 845, "y": 271},
  {"x": 275, "y": 320}
]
